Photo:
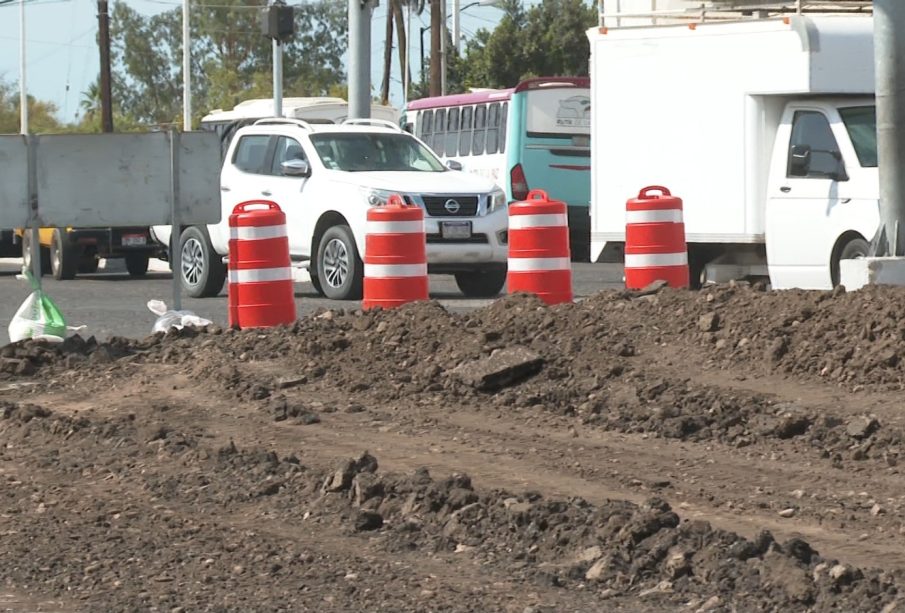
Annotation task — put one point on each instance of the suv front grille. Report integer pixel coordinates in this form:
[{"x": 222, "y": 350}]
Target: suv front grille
[{"x": 436, "y": 206}]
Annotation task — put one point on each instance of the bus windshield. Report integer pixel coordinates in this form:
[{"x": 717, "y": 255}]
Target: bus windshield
[
  {"x": 558, "y": 112},
  {"x": 861, "y": 123},
  {"x": 374, "y": 151}
]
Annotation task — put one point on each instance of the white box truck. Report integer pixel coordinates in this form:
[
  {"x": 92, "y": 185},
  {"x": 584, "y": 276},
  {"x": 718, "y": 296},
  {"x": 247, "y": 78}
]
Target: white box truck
[{"x": 765, "y": 127}]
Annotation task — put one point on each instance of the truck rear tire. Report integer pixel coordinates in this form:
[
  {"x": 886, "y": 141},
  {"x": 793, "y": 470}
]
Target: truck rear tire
[
  {"x": 201, "y": 270},
  {"x": 64, "y": 256},
  {"x": 88, "y": 264},
  {"x": 481, "y": 284},
  {"x": 26, "y": 254},
  {"x": 137, "y": 264}
]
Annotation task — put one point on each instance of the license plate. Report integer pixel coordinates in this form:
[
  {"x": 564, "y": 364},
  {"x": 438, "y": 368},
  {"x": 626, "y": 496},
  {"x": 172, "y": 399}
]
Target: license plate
[
  {"x": 134, "y": 240},
  {"x": 455, "y": 229}
]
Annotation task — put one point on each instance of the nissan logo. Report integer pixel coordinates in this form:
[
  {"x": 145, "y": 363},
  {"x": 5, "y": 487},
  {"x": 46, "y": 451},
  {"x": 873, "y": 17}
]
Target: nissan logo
[{"x": 452, "y": 206}]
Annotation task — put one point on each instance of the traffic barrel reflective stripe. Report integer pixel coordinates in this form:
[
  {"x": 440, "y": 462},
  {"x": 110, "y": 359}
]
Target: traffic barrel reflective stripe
[
  {"x": 395, "y": 262},
  {"x": 260, "y": 271},
  {"x": 539, "y": 257},
  {"x": 655, "y": 248}
]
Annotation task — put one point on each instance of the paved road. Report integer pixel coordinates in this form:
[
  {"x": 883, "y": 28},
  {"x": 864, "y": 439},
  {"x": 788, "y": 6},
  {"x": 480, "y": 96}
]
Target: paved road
[{"x": 111, "y": 303}]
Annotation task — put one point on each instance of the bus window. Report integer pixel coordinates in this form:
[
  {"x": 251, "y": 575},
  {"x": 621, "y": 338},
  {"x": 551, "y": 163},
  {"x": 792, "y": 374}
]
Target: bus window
[
  {"x": 424, "y": 129},
  {"x": 465, "y": 133},
  {"x": 493, "y": 127},
  {"x": 438, "y": 142},
  {"x": 452, "y": 131},
  {"x": 504, "y": 108},
  {"x": 480, "y": 123}
]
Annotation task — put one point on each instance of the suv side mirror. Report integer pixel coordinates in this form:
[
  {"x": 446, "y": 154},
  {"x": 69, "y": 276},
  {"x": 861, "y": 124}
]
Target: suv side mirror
[
  {"x": 799, "y": 160},
  {"x": 295, "y": 168},
  {"x": 453, "y": 165}
]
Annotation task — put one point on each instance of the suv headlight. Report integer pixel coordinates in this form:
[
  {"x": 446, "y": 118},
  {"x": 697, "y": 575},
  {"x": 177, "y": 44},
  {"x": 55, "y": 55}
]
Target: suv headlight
[
  {"x": 496, "y": 200},
  {"x": 376, "y": 197}
]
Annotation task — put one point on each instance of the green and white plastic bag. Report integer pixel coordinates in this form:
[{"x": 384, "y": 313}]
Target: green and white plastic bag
[{"x": 38, "y": 317}]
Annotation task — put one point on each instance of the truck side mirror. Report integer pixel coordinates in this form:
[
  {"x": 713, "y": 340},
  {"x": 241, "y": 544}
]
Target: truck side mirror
[
  {"x": 453, "y": 165},
  {"x": 295, "y": 168},
  {"x": 799, "y": 160}
]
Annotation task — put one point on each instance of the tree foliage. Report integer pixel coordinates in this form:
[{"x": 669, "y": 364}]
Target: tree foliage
[
  {"x": 547, "y": 39},
  {"x": 41, "y": 114},
  {"x": 231, "y": 59}
]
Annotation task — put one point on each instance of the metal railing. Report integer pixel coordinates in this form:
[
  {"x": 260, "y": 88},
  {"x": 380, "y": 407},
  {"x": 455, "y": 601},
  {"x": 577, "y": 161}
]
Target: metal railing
[{"x": 731, "y": 10}]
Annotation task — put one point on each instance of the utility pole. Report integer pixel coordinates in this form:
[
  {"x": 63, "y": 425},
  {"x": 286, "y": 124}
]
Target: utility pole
[
  {"x": 402, "y": 43},
  {"x": 186, "y": 69},
  {"x": 23, "y": 90},
  {"x": 360, "y": 59},
  {"x": 889, "y": 66},
  {"x": 456, "y": 27},
  {"x": 103, "y": 27},
  {"x": 436, "y": 24},
  {"x": 387, "y": 55},
  {"x": 444, "y": 35}
]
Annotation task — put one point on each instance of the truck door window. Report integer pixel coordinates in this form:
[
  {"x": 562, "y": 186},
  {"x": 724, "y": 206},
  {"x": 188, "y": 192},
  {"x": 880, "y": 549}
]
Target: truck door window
[
  {"x": 286, "y": 149},
  {"x": 250, "y": 153},
  {"x": 812, "y": 136}
]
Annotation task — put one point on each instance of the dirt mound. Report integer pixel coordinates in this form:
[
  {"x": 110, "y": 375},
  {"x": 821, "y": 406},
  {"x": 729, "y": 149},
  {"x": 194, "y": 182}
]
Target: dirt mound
[{"x": 183, "y": 553}]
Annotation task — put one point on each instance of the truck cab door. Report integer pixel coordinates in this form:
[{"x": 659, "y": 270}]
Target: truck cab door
[{"x": 807, "y": 181}]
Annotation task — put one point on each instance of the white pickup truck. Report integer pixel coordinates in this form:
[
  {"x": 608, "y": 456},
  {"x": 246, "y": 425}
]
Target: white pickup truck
[{"x": 765, "y": 127}]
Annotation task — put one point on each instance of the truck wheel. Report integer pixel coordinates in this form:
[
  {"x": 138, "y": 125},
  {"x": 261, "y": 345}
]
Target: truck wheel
[
  {"x": 852, "y": 250},
  {"x": 340, "y": 272},
  {"x": 201, "y": 270},
  {"x": 64, "y": 256},
  {"x": 88, "y": 264},
  {"x": 482, "y": 284},
  {"x": 137, "y": 264},
  {"x": 26, "y": 254}
]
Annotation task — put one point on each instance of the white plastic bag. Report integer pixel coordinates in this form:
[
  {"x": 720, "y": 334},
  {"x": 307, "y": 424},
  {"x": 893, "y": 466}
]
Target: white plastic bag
[
  {"x": 167, "y": 319},
  {"x": 38, "y": 317}
]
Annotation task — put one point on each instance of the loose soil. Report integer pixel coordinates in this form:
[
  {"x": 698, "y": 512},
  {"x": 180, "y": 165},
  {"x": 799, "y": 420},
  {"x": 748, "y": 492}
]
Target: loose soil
[{"x": 730, "y": 449}]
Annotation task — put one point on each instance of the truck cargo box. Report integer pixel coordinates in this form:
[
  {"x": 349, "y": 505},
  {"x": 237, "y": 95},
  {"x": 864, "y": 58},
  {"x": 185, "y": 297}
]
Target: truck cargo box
[{"x": 695, "y": 107}]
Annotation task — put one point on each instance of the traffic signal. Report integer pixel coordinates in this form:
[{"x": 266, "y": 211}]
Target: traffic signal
[{"x": 278, "y": 21}]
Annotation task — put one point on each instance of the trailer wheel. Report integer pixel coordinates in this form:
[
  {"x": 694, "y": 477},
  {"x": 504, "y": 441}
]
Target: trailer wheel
[
  {"x": 64, "y": 256},
  {"x": 854, "y": 249},
  {"x": 137, "y": 264},
  {"x": 26, "y": 254}
]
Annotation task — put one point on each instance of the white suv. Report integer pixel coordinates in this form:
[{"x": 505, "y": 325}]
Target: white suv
[{"x": 325, "y": 177}]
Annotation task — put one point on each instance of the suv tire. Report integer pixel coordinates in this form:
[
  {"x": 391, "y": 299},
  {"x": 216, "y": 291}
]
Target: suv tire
[
  {"x": 201, "y": 270},
  {"x": 340, "y": 272},
  {"x": 64, "y": 256},
  {"x": 481, "y": 284}
]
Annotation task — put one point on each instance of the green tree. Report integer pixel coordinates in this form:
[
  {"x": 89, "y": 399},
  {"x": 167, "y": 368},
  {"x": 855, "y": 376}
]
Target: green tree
[
  {"x": 41, "y": 114},
  {"x": 231, "y": 59},
  {"x": 548, "y": 39}
]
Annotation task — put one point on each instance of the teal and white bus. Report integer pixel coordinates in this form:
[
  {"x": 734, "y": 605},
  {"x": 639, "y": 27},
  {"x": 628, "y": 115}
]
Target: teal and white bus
[{"x": 536, "y": 135}]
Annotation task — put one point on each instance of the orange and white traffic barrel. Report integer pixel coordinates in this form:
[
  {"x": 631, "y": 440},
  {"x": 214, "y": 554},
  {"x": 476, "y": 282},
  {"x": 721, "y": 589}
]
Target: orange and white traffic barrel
[
  {"x": 395, "y": 270},
  {"x": 539, "y": 257},
  {"x": 260, "y": 272},
  {"x": 655, "y": 248}
]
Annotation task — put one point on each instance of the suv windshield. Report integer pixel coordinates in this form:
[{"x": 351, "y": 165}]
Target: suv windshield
[
  {"x": 861, "y": 123},
  {"x": 369, "y": 151}
]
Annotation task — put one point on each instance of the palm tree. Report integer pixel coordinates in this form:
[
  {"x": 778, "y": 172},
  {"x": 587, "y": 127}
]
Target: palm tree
[{"x": 91, "y": 101}]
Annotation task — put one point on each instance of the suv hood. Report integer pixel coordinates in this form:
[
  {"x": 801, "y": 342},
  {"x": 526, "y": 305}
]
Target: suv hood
[{"x": 414, "y": 182}]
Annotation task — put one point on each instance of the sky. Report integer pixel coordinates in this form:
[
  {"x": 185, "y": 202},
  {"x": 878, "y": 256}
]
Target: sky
[{"x": 62, "y": 55}]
